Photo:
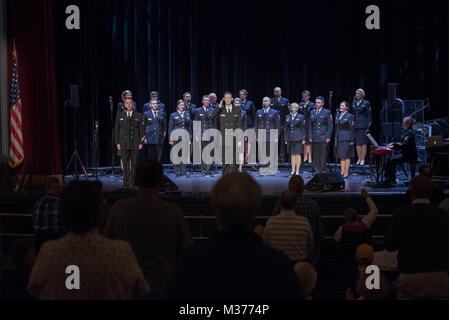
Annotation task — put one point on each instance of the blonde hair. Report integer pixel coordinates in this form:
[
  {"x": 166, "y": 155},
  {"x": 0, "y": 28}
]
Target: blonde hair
[
  {"x": 361, "y": 91},
  {"x": 294, "y": 105}
]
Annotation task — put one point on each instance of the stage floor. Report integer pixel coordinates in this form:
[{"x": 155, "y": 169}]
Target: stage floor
[{"x": 197, "y": 185}]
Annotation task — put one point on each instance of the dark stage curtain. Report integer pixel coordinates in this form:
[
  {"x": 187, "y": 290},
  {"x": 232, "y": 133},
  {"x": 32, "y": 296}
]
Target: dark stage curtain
[
  {"x": 30, "y": 24},
  {"x": 203, "y": 46}
]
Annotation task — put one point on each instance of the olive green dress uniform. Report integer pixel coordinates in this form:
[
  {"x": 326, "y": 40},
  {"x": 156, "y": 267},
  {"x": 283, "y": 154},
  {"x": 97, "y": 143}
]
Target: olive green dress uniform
[
  {"x": 129, "y": 134},
  {"x": 228, "y": 121}
]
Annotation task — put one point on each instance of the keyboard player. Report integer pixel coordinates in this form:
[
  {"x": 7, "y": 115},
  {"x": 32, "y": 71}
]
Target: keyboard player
[{"x": 405, "y": 150}]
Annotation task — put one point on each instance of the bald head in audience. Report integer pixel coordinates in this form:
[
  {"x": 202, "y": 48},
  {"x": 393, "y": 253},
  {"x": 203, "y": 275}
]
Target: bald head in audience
[{"x": 235, "y": 200}]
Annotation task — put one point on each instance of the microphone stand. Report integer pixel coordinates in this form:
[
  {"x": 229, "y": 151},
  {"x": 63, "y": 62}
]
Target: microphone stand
[
  {"x": 111, "y": 105},
  {"x": 337, "y": 134},
  {"x": 331, "y": 94},
  {"x": 96, "y": 148}
]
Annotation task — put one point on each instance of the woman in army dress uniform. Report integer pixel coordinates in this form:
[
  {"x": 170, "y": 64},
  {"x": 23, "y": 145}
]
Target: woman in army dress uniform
[
  {"x": 344, "y": 138},
  {"x": 295, "y": 136}
]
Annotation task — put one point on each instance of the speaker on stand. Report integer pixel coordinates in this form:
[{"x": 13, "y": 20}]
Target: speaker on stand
[
  {"x": 326, "y": 182},
  {"x": 74, "y": 103}
]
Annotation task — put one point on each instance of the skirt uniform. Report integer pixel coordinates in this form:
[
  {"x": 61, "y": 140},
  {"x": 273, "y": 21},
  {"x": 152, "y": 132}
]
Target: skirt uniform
[
  {"x": 360, "y": 137},
  {"x": 295, "y": 147},
  {"x": 344, "y": 150}
]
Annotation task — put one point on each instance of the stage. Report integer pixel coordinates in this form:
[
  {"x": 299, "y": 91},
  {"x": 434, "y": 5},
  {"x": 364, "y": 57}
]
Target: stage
[{"x": 197, "y": 185}]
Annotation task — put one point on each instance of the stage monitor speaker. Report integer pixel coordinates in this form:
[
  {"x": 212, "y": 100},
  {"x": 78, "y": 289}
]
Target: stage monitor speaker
[
  {"x": 169, "y": 187},
  {"x": 325, "y": 182},
  {"x": 75, "y": 95},
  {"x": 440, "y": 164}
]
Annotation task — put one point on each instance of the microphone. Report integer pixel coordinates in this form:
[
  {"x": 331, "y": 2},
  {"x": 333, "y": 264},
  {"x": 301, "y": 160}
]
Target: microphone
[
  {"x": 96, "y": 133},
  {"x": 111, "y": 103}
]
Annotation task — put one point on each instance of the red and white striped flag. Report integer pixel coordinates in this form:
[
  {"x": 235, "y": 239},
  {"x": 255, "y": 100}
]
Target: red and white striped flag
[{"x": 16, "y": 154}]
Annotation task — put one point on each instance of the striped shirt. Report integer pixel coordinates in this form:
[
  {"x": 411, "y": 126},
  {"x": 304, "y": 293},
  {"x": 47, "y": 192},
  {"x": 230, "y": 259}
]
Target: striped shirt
[
  {"x": 290, "y": 234},
  {"x": 308, "y": 208}
]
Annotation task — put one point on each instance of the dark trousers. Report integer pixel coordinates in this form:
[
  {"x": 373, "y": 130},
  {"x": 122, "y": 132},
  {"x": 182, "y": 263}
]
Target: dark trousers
[
  {"x": 319, "y": 157},
  {"x": 229, "y": 167},
  {"x": 129, "y": 158},
  {"x": 205, "y": 168},
  {"x": 390, "y": 166},
  {"x": 153, "y": 151},
  {"x": 180, "y": 169},
  {"x": 282, "y": 149}
]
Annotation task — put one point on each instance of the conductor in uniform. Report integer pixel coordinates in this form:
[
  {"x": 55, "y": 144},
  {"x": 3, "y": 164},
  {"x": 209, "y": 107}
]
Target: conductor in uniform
[
  {"x": 320, "y": 133},
  {"x": 120, "y": 108},
  {"x": 129, "y": 137},
  {"x": 155, "y": 131},
  {"x": 230, "y": 118},
  {"x": 267, "y": 119}
]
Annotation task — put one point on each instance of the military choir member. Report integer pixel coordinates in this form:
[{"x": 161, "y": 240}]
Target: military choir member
[
  {"x": 282, "y": 105},
  {"x": 238, "y": 104},
  {"x": 361, "y": 109},
  {"x": 295, "y": 135},
  {"x": 155, "y": 131},
  {"x": 179, "y": 120},
  {"x": 344, "y": 138},
  {"x": 320, "y": 133},
  {"x": 267, "y": 119},
  {"x": 154, "y": 95},
  {"x": 305, "y": 108},
  {"x": 249, "y": 110},
  {"x": 189, "y": 107},
  {"x": 203, "y": 114},
  {"x": 213, "y": 100}
]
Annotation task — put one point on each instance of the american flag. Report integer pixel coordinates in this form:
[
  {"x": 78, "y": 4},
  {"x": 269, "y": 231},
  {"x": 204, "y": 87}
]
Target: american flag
[{"x": 16, "y": 154}]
